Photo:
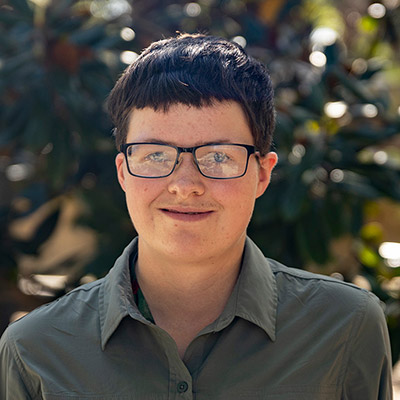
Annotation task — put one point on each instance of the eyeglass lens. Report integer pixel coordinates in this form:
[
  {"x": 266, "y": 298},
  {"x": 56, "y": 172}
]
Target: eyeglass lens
[{"x": 213, "y": 161}]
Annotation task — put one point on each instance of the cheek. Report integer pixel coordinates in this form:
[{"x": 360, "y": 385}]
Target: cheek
[
  {"x": 244, "y": 210},
  {"x": 136, "y": 187},
  {"x": 139, "y": 196},
  {"x": 238, "y": 200}
]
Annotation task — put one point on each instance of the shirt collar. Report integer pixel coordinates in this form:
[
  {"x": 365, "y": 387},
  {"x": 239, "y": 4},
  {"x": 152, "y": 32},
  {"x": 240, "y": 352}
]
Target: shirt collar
[
  {"x": 116, "y": 295},
  {"x": 254, "y": 297},
  {"x": 256, "y": 294}
]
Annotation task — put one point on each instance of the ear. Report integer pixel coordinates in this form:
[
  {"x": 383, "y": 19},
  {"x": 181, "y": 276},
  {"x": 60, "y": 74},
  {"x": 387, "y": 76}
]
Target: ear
[
  {"x": 267, "y": 164},
  {"x": 121, "y": 170}
]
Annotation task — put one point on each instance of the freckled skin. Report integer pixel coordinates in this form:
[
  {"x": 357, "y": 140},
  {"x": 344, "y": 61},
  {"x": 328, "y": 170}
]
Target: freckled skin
[{"x": 230, "y": 202}]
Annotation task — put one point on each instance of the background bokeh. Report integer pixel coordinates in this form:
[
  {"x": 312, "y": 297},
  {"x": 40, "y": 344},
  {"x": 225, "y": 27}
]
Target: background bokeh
[{"x": 333, "y": 205}]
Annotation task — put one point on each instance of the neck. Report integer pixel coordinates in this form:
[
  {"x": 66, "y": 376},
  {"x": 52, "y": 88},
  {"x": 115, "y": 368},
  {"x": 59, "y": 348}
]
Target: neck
[
  {"x": 199, "y": 287},
  {"x": 184, "y": 296}
]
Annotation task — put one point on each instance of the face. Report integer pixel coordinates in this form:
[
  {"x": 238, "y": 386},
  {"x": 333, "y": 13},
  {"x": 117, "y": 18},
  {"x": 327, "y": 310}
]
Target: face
[{"x": 186, "y": 216}]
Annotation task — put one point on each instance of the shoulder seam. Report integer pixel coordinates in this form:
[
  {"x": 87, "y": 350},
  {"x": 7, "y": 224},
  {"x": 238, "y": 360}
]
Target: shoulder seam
[
  {"x": 86, "y": 288},
  {"x": 18, "y": 362},
  {"x": 312, "y": 276},
  {"x": 353, "y": 334}
]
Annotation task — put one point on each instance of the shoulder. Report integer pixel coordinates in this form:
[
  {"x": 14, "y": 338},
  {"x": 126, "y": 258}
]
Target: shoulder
[
  {"x": 336, "y": 324},
  {"x": 303, "y": 278},
  {"x": 69, "y": 313},
  {"x": 31, "y": 348},
  {"x": 324, "y": 293}
]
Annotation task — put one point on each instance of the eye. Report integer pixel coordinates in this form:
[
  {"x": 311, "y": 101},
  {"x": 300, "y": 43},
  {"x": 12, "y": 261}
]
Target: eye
[
  {"x": 220, "y": 157},
  {"x": 158, "y": 156},
  {"x": 215, "y": 158}
]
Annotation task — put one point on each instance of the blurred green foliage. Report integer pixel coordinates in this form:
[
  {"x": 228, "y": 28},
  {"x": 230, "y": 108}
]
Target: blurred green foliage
[{"x": 335, "y": 67}]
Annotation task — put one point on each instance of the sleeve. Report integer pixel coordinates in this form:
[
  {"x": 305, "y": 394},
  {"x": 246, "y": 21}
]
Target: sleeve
[
  {"x": 369, "y": 370},
  {"x": 12, "y": 386}
]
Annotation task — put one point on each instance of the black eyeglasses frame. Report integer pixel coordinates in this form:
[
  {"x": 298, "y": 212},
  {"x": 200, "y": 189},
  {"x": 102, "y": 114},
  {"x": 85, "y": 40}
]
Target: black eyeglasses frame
[{"x": 250, "y": 150}]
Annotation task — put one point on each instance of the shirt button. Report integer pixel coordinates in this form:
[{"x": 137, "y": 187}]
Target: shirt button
[{"x": 182, "y": 387}]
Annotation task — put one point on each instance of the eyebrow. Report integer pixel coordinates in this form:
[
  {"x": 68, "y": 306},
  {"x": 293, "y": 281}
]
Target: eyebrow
[{"x": 221, "y": 141}]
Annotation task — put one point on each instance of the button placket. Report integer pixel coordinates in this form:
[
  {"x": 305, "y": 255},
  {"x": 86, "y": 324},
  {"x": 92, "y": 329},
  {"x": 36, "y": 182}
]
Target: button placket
[{"x": 180, "y": 379}]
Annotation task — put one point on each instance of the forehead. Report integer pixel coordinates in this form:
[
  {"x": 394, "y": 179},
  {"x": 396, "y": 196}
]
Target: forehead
[{"x": 186, "y": 126}]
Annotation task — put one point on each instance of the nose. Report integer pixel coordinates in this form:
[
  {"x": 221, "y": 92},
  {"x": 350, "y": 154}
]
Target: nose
[{"x": 186, "y": 179}]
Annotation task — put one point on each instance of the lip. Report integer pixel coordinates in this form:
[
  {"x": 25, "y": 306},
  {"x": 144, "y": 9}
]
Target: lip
[{"x": 186, "y": 214}]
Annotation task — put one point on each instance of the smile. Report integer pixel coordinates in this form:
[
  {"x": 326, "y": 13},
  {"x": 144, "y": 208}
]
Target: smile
[
  {"x": 187, "y": 212},
  {"x": 186, "y": 215}
]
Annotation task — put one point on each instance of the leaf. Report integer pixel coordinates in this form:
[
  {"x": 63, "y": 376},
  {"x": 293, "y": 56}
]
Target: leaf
[
  {"x": 22, "y": 7},
  {"x": 357, "y": 185},
  {"x": 313, "y": 236},
  {"x": 88, "y": 36},
  {"x": 294, "y": 199},
  {"x": 369, "y": 257},
  {"x": 352, "y": 85}
]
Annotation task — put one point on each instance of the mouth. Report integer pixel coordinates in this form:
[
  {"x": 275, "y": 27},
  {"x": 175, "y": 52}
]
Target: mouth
[
  {"x": 186, "y": 215},
  {"x": 185, "y": 212}
]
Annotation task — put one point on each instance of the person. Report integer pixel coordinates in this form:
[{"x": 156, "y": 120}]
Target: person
[{"x": 192, "y": 309}]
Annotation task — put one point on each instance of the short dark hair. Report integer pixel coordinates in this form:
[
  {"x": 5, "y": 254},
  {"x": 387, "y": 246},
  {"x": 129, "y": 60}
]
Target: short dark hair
[{"x": 195, "y": 70}]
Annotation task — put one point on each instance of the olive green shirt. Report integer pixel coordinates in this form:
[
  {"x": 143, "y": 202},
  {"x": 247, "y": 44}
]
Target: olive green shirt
[{"x": 284, "y": 334}]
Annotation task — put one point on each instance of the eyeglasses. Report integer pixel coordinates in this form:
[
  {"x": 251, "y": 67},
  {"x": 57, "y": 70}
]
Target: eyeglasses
[{"x": 216, "y": 161}]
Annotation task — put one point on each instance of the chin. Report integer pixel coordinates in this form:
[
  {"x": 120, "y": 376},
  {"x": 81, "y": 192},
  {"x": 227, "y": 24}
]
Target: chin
[{"x": 188, "y": 247}]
